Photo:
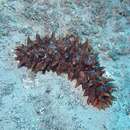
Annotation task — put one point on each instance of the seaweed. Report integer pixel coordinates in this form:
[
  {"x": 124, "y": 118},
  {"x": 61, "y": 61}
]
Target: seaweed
[{"x": 68, "y": 55}]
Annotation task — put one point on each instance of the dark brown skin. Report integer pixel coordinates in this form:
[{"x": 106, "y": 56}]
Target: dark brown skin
[{"x": 67, "y": 55}]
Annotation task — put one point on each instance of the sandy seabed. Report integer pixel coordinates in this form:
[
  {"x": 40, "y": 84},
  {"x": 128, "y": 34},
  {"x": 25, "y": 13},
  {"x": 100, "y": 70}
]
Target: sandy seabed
[{"x": 50, "y": 102}]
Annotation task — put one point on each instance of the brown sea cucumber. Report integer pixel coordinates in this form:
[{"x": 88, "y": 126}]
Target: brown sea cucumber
[{"x": 67, "y": 55}]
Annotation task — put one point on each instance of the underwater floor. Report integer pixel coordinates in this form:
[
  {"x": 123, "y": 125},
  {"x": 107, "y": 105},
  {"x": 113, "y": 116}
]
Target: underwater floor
[{"x": 50, "y": 102}]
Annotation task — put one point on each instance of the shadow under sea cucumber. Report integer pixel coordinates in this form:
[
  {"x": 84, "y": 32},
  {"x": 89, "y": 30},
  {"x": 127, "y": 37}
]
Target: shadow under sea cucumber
[{"x": 67, "y": 55}]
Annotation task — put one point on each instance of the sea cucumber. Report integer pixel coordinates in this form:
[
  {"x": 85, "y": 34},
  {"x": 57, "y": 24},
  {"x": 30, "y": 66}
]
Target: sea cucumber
[{"x": 68, "y": 55}]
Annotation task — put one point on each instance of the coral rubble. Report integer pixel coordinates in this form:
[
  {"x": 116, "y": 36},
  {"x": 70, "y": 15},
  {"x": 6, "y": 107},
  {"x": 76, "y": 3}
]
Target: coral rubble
[{"x": 67, "y": 55}]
